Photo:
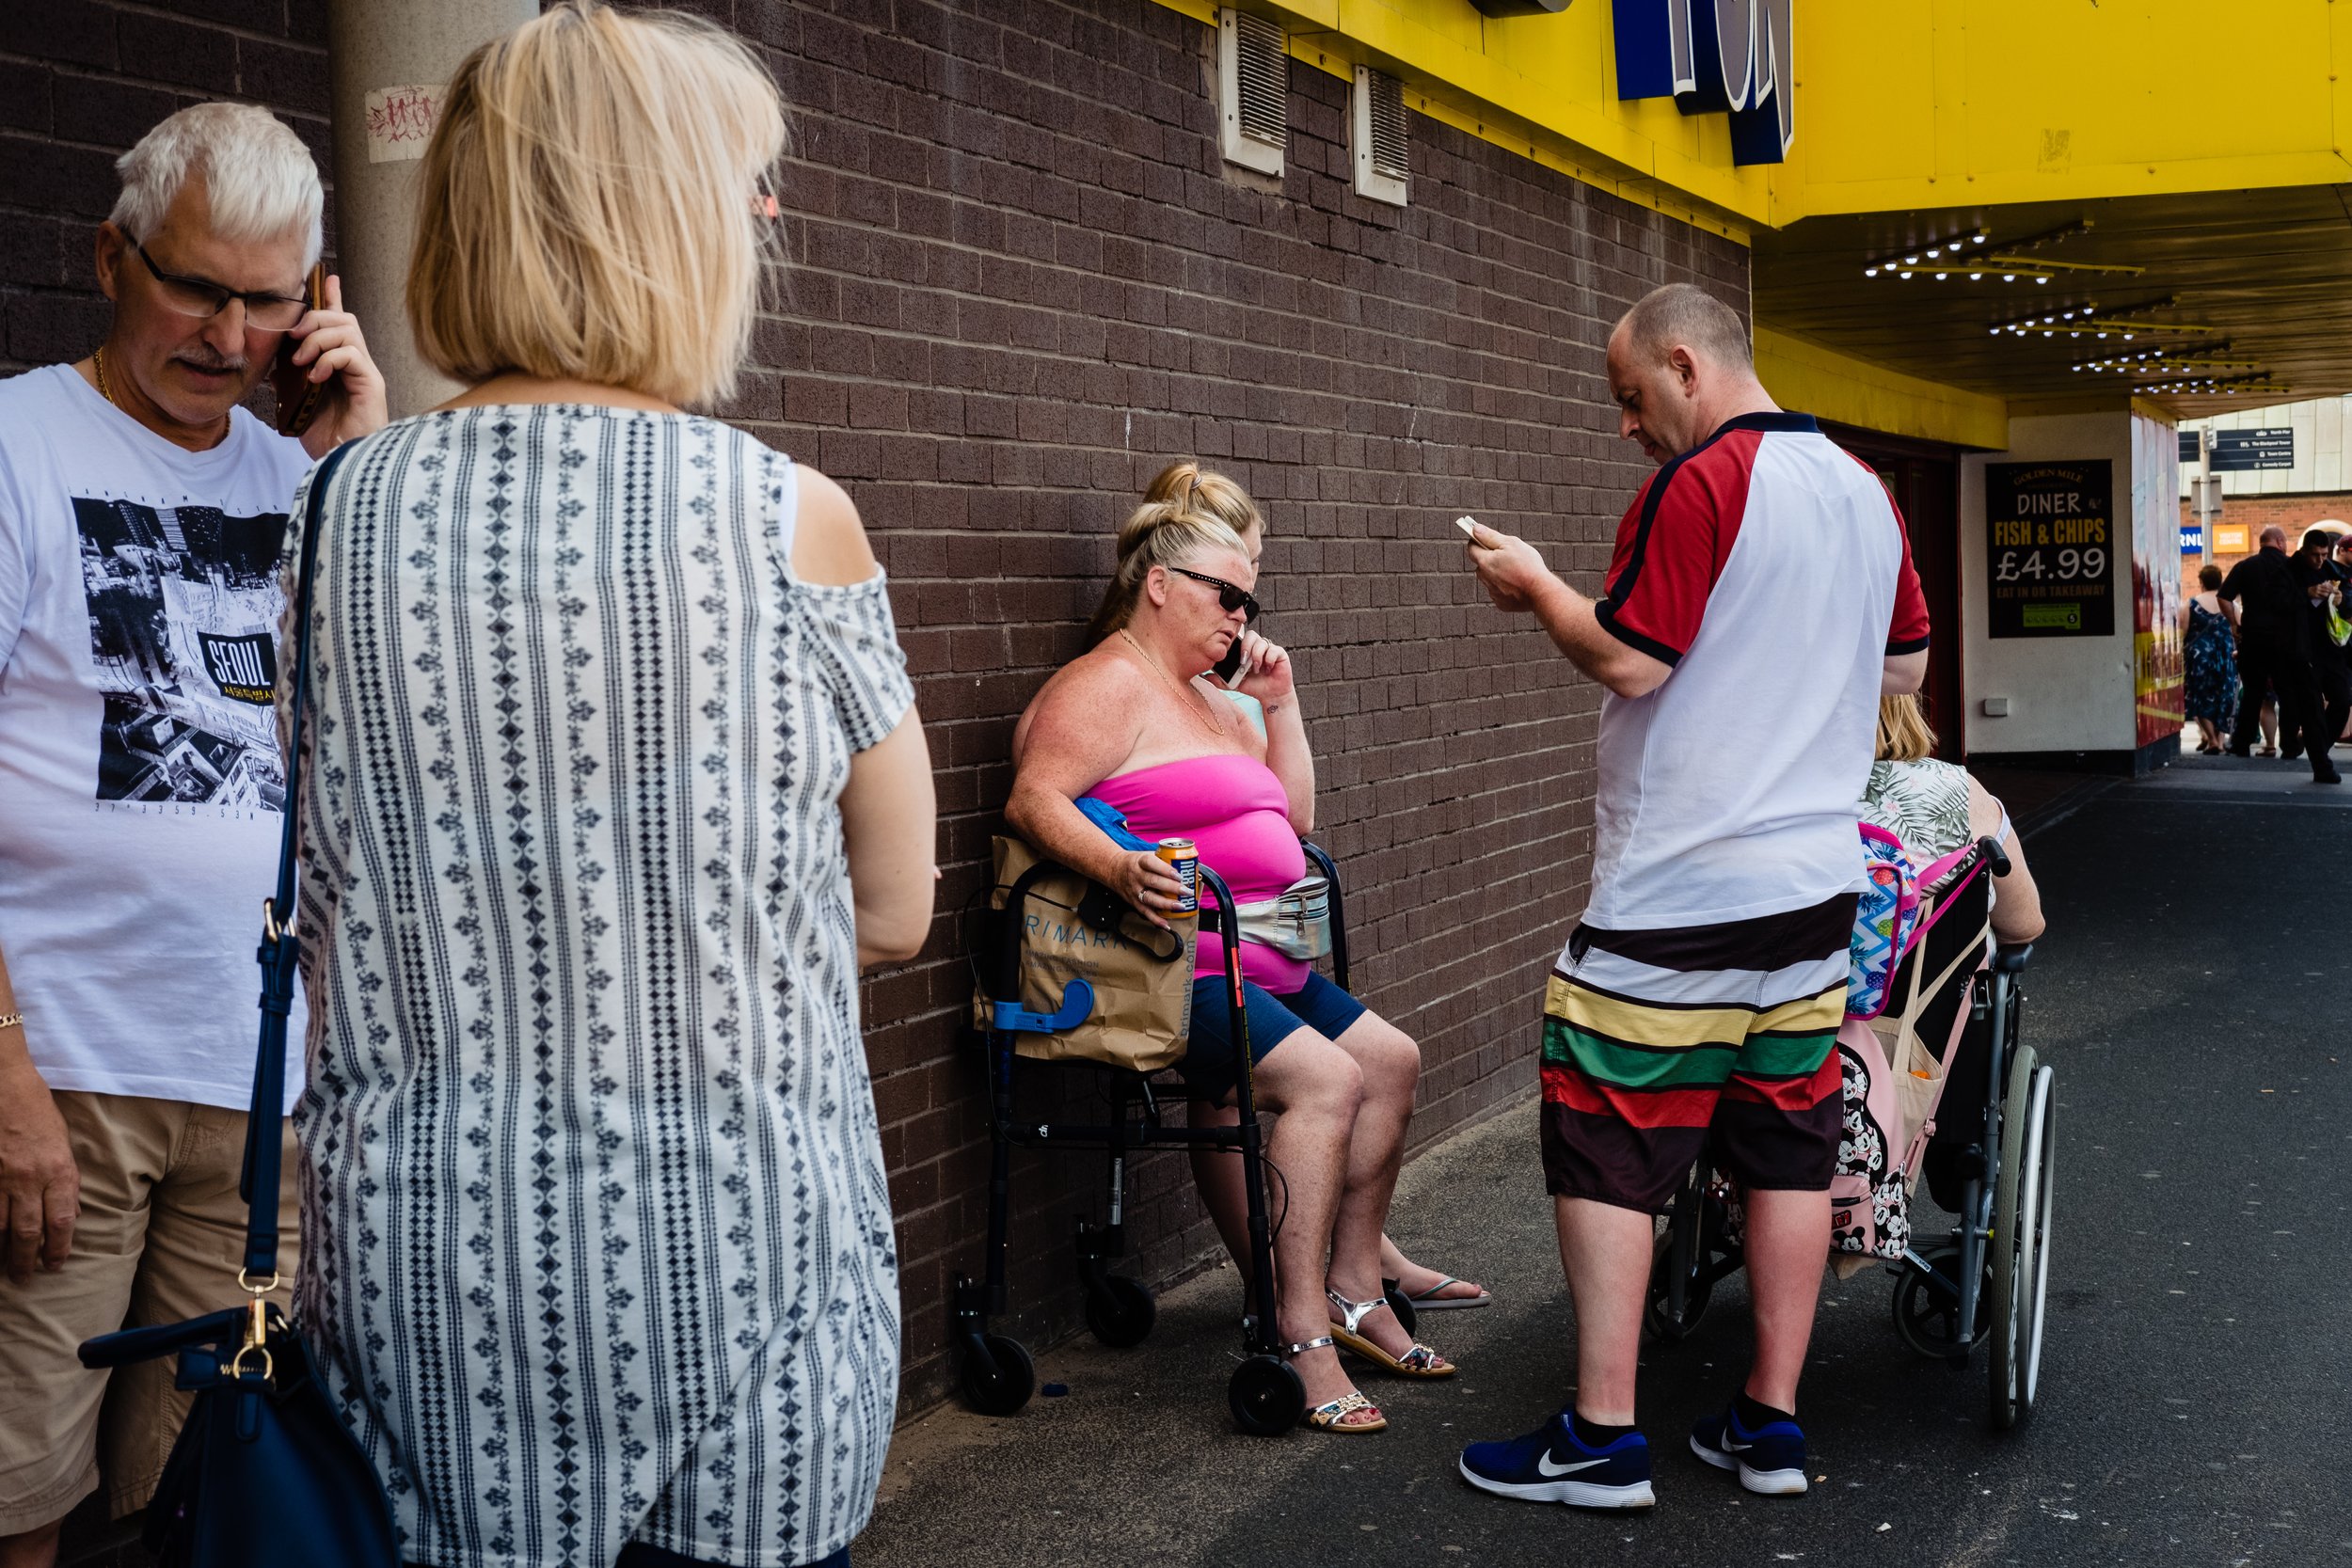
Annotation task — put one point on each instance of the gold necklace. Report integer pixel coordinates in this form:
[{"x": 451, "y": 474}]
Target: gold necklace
[
  {"x": 1202, "y": 714},
  {"x": 97, "y": 363}
]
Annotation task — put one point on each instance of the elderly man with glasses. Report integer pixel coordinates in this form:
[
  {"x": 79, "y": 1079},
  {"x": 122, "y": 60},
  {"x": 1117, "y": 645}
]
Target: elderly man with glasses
[{"x": 142, "y": 515}]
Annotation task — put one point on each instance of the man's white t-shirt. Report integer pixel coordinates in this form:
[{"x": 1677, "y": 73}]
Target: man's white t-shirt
[
  {"x": 141, "y": 783},
  {"x": 1769, "y": 568}
]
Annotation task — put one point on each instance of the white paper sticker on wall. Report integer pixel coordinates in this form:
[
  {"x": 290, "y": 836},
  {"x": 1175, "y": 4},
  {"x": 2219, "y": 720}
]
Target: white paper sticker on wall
[{"x": 400, "y": 122}]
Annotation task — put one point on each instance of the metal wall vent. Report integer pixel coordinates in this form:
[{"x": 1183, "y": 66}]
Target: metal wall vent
[
  {"x": 1253, "y": 88},
  {"x": 1376, "y": 131}
]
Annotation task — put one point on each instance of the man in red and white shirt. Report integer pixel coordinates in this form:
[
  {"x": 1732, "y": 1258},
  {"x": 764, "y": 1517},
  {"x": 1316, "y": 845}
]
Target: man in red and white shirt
[{"x": 1760, "y": 599}]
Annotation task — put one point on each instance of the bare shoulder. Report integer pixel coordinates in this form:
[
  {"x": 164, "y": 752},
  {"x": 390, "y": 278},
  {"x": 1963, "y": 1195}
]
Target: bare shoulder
[
  {"x": 829, "y": 544},
  {"x": 1093, "y": 686},
  {"x": 1093, "y": 704}
]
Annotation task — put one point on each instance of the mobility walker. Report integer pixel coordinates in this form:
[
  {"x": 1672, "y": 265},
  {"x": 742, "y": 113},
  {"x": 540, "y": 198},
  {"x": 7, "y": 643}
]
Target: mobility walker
[
  {"x": 998, "y": 1377},
  {"x": 1991, "y": 1157}
]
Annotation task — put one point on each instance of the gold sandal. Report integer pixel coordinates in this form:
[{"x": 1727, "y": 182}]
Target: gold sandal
[
  {"x": 1420, "y": 1362},
  {"x": 1331, "y": 1415}
]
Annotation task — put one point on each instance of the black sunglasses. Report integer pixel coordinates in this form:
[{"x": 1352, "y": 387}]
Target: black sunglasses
[{"x": 1231, "y": 597}]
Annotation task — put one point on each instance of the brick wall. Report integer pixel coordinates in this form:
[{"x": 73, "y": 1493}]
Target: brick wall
[
  {"x": 80, "y": 81},
  {"x": 1023, "y": 282}
]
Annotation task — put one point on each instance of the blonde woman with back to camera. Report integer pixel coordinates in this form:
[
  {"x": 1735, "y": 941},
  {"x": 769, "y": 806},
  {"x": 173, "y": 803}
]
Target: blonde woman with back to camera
[{"x": 617, "y": 782}]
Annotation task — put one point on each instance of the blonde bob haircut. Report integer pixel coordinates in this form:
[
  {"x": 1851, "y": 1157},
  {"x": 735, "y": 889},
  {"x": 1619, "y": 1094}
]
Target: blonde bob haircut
[
  {"x": 1167, "y": 533},
  {"x": 1903, "y": 733},
  {"x": 593, "y": 205}
]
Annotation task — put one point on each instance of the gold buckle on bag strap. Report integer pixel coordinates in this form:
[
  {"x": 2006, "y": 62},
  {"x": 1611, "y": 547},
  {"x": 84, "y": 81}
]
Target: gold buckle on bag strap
[{"x": 256, "y": 1325}]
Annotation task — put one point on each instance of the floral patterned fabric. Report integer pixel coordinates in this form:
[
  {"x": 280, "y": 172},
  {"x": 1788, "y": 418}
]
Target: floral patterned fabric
[
  {"x": 1924, "y": 804},
  {"x": 2212, "y": 668}
]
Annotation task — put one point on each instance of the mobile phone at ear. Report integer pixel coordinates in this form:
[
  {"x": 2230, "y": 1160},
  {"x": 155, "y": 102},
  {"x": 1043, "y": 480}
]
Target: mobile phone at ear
[
  {"x": 298, "y": 396},
  {"x": 1229, "y": 666}
]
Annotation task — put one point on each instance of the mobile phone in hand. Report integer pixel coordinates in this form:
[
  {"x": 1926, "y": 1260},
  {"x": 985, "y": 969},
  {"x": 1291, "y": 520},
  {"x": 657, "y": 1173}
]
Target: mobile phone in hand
[
  {"x": 1228, "y": 667},
  {"x": 298, "y": 396}
]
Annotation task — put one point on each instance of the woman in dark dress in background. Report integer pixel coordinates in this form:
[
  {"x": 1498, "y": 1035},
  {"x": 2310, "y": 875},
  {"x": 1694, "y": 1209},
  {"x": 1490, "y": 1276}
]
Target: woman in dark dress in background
[{"x": 2212, "y": 649}]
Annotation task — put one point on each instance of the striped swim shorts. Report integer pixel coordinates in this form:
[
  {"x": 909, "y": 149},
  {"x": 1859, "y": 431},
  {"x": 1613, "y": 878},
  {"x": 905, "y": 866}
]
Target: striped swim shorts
[{"x": 1653, "y": 1037}]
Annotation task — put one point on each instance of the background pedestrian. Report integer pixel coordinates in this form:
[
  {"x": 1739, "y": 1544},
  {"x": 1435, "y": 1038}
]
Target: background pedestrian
[{"x": 2211, "y": 644}]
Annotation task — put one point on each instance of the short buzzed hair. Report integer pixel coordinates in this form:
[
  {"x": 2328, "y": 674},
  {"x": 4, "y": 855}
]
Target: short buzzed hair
[{"x": 1687, "y": 314}]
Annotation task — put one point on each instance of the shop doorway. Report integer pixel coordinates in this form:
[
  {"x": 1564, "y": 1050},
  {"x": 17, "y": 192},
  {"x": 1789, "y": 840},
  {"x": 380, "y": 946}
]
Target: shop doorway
[{"x": 1923, "y": 477}]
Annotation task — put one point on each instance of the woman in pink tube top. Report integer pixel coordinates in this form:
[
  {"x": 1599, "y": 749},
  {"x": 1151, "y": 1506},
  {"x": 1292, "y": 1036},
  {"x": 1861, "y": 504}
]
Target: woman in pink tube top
[{"x": 1135, "y": 722}]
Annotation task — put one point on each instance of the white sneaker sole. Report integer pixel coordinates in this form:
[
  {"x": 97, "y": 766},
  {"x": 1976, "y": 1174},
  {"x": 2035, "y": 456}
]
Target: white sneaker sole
[
  {"x": 1576, "y": 1494},
  {"x": 1770, "y": 1483}
]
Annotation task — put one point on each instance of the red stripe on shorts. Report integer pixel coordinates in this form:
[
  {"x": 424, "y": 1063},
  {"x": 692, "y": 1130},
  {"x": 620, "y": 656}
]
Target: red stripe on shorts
[{"x": 1638, "y": 1108}]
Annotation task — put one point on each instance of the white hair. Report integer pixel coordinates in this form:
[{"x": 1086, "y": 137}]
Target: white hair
[{"x": 258, "y": 176}]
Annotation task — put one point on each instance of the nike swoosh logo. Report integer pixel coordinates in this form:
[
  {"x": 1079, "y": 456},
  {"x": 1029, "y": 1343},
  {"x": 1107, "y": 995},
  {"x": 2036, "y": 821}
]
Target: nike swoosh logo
[
  {"x": 1546, "y": 1467},
  {"x": 1732, "y": 1445}
]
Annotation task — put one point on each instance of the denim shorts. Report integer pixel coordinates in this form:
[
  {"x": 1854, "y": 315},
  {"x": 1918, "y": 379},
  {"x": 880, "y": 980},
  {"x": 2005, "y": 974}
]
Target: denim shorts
[{"x": 1212, "y": 1066}]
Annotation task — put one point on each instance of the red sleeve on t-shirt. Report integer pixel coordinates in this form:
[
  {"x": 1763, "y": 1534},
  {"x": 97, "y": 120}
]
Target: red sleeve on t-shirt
[
  {"x": 1907, "y": 633},
  {"x": 1672, "y": 546}
]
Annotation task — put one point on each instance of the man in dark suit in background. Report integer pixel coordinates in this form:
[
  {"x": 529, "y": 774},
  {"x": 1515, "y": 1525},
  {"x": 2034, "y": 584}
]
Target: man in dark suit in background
[
  {"x": 2275, "y": 627},
  {"x": 2322, "y": 580}
]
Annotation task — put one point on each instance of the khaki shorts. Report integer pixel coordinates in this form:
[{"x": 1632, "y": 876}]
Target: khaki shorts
[{"x": 160, "y": 1237}]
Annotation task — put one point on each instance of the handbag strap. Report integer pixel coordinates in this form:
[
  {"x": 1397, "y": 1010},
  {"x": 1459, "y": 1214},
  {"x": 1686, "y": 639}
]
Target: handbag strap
[{"x": 280, "y": 949}]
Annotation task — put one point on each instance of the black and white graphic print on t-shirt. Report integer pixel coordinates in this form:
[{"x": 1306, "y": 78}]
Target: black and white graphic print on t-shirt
[{"x": 183, "y": 611}]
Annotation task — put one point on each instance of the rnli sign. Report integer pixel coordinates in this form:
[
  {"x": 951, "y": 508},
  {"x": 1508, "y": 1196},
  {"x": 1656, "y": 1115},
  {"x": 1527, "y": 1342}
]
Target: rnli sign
[{"x": 1716, "y": 57}]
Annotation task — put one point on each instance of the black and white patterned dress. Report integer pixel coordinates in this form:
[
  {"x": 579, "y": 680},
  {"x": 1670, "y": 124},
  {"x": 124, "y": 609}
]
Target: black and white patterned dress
[{"x": 598, "y": 1240}]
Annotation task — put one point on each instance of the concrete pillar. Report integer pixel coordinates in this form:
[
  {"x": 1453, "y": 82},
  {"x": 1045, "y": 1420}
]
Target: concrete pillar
[{"x": 389, "y": 61}]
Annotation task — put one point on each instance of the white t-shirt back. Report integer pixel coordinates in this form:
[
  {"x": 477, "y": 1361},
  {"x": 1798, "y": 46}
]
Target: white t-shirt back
[
  {"x": 1770, "y": 571},
  {"x": 141, "y": 784}
]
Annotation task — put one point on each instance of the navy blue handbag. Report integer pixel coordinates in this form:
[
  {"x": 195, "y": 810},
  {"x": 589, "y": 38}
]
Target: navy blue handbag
[{"x": 265, "y": 1474}]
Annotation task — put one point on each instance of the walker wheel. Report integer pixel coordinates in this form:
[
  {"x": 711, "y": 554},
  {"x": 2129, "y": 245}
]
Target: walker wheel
[
  {"x": 1927, "y": 1320},
  {"x": 1266, "y": 1397},
  {"x": 1658, "y": 1315},
  {"x": 1120, "y": 1313},
  {"x": 998, "y": 1376}
]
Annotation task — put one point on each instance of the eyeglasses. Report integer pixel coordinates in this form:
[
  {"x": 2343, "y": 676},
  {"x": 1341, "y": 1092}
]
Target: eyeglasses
[
  {"x": 205, "y": 299},
  {"x": 1232, "y": 598}
]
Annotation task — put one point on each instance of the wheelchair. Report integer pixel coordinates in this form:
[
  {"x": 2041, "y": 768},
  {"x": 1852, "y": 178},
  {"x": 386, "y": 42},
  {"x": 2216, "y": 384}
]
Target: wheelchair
[
  {"x": 998, "y": 1375},
  {"x": 1991, "y": 1158}
]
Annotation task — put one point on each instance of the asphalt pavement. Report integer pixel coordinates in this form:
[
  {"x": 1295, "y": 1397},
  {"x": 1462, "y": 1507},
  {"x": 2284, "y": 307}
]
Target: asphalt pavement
[{"x": 2193, "y": 996}]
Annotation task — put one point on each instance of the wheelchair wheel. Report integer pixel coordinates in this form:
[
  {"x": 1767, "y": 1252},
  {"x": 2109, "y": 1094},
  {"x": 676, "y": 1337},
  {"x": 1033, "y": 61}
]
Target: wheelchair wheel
[
  {"x": 1929, "y": 1320},
  {"x": 1120, "y": 1313},
  {"x": 998, "y": 1375},
  {"x": 1266, "y": 1396},
  {"x": 2020, "y": 1233}
]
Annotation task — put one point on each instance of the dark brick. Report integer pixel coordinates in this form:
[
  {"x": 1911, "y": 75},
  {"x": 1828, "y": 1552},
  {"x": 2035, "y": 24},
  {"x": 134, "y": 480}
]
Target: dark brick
[
  {"x": 109, "y": 112},
  {"x": 287, "y": 77},
  {"x": 24, "y": 96},
  {"x": 160, "y": 50},
  {"x": 32, "y": 252},
  {"x": 67, "y": 32},
  {"x": 48, "y": 178}
]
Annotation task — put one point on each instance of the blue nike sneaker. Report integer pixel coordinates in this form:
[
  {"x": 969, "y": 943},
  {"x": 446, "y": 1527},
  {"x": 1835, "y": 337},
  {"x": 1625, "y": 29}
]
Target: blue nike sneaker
[
  {"x": 1771, "y": 1461},
  {"x": 1551, "y": 1465}
]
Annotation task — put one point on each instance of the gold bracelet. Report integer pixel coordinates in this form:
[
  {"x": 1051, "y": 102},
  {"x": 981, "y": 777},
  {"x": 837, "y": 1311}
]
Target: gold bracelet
[{"x": 12, "y": 1020}]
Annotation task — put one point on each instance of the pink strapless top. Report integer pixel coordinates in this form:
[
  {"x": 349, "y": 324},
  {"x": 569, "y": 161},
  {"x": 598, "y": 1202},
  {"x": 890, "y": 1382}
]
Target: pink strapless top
[{"x": 1235, "y": 811}]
